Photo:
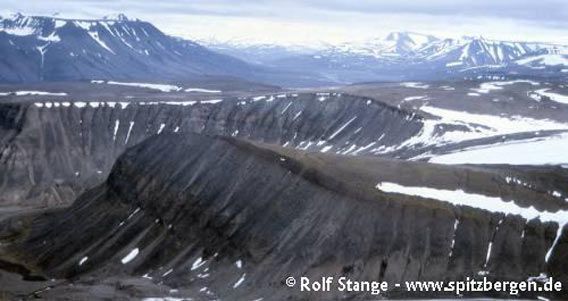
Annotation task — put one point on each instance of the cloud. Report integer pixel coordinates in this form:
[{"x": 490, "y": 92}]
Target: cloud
[
  {"x": 327, "y": 20},
  {"x": 515, "y": 9}
]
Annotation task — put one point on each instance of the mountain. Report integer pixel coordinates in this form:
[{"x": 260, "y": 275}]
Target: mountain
[
  {"x": 54, "y": 49},
  {"x": 254, "y": 52},
  {"x": 160, "y": 197},
  {"x": 73, "y": 162},
  {"x": 197, "y": 223},
  {"x": 415, "y": 56},
  {"x": 36, "y": 49},
  {"x": 395, "y": 45}
]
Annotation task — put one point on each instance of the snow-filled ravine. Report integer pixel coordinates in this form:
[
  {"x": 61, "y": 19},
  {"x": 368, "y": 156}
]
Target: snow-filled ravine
[
  {"x": 551, "y": 150},
  {"x": 484, "y": 125},
  {"x": 492, "y": 204},
  {"x": 557, "y": 97},
  {"x": 159, "y": 87}
]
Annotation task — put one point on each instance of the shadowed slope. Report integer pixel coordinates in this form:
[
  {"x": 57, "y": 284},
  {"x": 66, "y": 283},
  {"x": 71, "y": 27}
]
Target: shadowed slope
[{"x": 197, "y": 211}]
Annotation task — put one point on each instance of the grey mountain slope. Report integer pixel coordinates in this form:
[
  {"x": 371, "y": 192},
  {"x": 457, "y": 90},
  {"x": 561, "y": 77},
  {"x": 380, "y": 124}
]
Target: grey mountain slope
[
  {"x": 53, "y": 149},
  {"x": 198, "y": 217},
  {"x": 49, "y": 155},
  {"x": 267, "y": 176},
  {"x": 51, "y": 49}
]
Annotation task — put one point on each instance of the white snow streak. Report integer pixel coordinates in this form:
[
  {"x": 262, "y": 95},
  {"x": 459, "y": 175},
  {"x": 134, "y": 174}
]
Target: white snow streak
[
  {"x": 493, "y": 204},
  {"x": 130, "y": 256},
  {"x": 83, "y": 260},
  {"x": 342, "y": 128},
  {"x": 129, "y": 131},
  {"x": 240, "y": 281},
  {"x": 116, "y": 125}
]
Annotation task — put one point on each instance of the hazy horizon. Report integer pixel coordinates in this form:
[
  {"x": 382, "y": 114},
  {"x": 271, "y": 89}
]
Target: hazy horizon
[{"x": 314, "y": 22}]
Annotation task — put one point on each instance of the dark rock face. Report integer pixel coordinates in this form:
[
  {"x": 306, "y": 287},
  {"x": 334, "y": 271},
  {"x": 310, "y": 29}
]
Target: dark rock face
[
  {"x": 207, "y": 212},
  {"x": 235, "y": 195},
  {"x": 57, "y": 149}
]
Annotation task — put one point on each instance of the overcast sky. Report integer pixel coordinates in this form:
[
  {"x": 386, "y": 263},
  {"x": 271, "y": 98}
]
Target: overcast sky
[{"x": 311, "y": 21}]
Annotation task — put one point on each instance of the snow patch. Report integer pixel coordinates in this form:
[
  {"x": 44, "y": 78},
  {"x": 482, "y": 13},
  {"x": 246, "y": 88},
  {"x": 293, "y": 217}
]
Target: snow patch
[
  {"x": 549, "y": 151},
  {"x": 544, "y": 59},
  {"x": 162, "y": 126},
  {"x": 159, "y": 87},
  {"x": 83, "y": 260},
  {"x": 342, "y": 128},
  {"x": 240, "y": 281},
  {"x": 129, "y": 131},
  {"x": 415, "y": 85},
  {"x": 197, "y": 264},
  {"x": 116, "y": 125},
  {"x": 211, "y": 101},
  {"x": 201, "y": 90},
  {"x": 411, "y": 98},
  {"x": 462, "y": 198},
  {"x": 560, "y": 98},
  {"x": 33, "y": 93},
  {"x": 128, "y": 258}
]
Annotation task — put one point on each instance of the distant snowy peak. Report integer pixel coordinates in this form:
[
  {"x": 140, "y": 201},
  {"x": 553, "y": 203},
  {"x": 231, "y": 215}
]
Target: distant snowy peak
[
  {"x": 258, "y": 53},
  {"x": 405, "y": 42},
  {"x": 394, "y": 45},
  {"x": 245, "y": 44},
  {"x": 412, "y": 56},
  {"x": 481, "y": 52},
  {"x": 412, "y": 37},
  {"x": 556, "y": 56},
  {"x": 452, "y": 53},
  {"x": 21, "y": 25},
  {"x": 117, "y": 17}
]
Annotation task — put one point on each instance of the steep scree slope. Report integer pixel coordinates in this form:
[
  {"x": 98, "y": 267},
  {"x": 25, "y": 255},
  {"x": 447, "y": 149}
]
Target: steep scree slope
[
  {"x": 237, "y": 218},
  {"x": 52, "y": 150}
]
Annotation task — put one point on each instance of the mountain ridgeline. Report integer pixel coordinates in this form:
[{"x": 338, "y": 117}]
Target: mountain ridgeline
[
  {"x": 238, "y": 217},
  {"x": 170, "y": 171},
  {"x": 411, "y": 56},
  {"x": 220, "y": 193},
  {"x": 54, "y": 150},
  {"x": 36, "y": 49}
]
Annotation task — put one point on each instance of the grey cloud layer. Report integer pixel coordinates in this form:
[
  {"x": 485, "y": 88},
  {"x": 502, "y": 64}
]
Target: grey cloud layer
[
  {"x": 542, "y": 10},
  {"x": 515, "y": 19}
]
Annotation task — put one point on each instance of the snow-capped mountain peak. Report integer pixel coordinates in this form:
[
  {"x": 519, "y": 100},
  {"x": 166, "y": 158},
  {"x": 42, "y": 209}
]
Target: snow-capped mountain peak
[
  {"x": 114, "y": 47},
  {"x": 117, "y": 17},
  {"x": 20, "y": 25},
  {"x": 409, "y": 40},
  {"x": 409, "y": 55},
  {"x": 407, "y": 43}
]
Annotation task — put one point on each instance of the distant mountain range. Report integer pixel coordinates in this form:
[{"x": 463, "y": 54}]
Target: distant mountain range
[
  {"x": 407, "y": 56},
  {"x": 35, "y": 49}
]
